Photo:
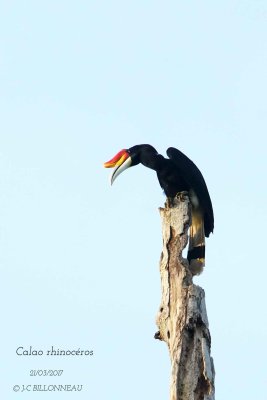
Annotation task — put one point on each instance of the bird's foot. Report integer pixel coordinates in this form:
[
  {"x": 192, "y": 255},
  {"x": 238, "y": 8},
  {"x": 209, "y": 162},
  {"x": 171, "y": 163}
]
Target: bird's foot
[
  {"x": 181, "y": 196},
  {"x": 169, "y": 202}
]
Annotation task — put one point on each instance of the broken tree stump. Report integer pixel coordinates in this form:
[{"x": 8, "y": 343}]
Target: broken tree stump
[{"x": 182, "y": 317}]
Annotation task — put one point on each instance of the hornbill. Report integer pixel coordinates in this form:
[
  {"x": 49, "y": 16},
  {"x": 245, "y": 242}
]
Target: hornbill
[{"x": 176, "y": 174}]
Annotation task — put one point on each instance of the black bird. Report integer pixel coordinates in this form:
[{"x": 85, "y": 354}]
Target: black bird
[{"x": 176, "y": 174}]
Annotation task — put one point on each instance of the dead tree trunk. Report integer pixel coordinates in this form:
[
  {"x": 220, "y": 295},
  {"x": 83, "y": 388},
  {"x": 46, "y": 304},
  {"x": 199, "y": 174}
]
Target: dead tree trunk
[{"x": 182, "y": 318}]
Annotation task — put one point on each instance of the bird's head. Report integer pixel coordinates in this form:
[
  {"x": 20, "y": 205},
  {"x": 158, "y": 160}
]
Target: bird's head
[{"x": 128, "y": 158}]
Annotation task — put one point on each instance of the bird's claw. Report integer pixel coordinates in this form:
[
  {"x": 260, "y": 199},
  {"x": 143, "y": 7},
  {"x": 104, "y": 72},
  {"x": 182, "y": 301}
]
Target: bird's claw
[{"x": 181, "y": 196}]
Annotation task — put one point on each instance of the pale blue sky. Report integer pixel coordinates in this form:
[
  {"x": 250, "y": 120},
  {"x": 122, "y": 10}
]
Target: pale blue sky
[{"x": 79, "y": 260}]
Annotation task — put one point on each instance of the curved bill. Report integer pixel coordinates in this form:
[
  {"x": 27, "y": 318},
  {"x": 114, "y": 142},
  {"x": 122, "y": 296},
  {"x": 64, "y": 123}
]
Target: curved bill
[
  {"x": 126, "y": 164},
  {"x": 121, "y": 161}
]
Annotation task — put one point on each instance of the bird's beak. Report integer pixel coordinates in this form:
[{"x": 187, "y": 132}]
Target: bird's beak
[{"x": 121, "y": 161}]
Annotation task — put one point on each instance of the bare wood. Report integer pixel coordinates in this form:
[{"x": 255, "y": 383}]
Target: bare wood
[{"x": 182, "y": 318}]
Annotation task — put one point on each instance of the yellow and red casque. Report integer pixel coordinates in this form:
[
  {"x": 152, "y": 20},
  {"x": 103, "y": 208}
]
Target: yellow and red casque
[{"x": 117, "y": 160}]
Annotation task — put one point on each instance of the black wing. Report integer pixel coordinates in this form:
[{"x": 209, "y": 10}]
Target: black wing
[{"x": 194, "y": 178}]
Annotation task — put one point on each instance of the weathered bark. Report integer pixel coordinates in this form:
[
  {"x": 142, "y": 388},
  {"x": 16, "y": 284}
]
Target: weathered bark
[{"x": 182, "y": 318}]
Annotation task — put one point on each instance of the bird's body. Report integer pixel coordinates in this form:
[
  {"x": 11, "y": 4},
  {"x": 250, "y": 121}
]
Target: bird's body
[{"x": 175, "y": 174}]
